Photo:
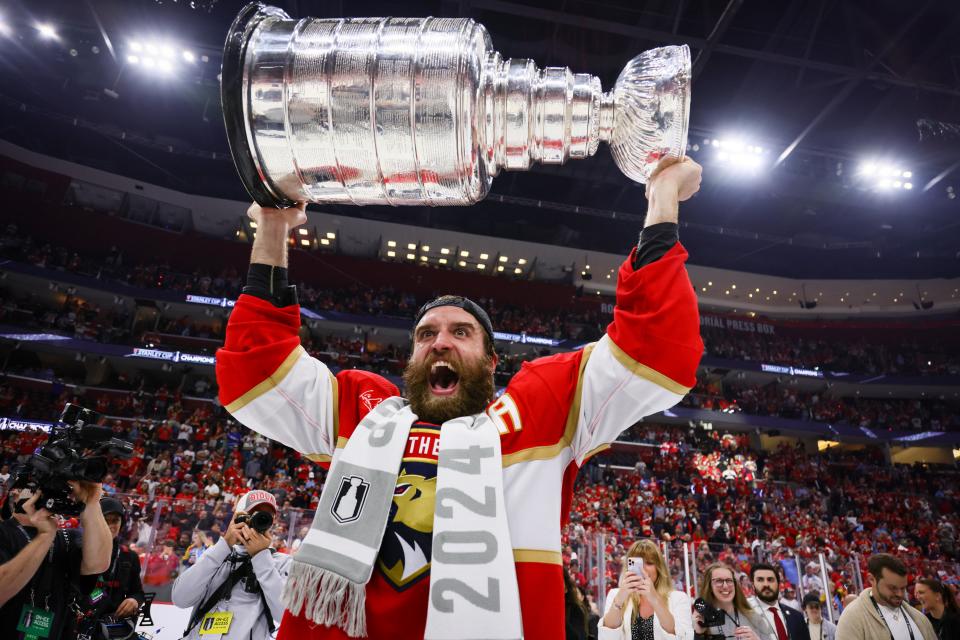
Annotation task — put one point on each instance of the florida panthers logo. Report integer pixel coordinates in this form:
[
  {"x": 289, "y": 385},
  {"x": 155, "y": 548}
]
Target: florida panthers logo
[
  {"x": 369, "y": 400},
  {"x": 405, "y": 552}
]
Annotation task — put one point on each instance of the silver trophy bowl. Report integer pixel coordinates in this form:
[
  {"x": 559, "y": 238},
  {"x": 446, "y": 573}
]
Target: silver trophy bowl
[{"x": 423, "y": 111}]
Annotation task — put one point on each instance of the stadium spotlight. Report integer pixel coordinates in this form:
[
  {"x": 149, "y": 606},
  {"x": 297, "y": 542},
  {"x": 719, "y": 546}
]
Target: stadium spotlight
[
  {"x": 882, "y": 176},
  {"x": 738, "y": 154},
  {"x": 135, "y": 46},
  {"x": 47, "y": 31},
  {"x": 189, "y": 56},
  {"x": 132, "y": 59},
  {"x": 5, "y": 29}
]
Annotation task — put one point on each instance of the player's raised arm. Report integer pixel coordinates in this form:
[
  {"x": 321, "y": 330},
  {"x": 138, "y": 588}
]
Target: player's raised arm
[
  {"x": 267, "y": 380},
  {"x": 647, "y": 360}
]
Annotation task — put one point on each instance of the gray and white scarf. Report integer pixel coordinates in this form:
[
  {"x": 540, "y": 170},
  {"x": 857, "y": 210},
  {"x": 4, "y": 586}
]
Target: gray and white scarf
[{"x": 473, "y": 582}]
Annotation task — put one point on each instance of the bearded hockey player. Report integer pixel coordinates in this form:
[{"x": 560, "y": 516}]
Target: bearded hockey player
[{"x": 441, "y": 514}]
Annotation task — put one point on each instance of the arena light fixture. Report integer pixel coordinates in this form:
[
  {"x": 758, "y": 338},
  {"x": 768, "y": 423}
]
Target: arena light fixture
[
  {"x": 518, "y": 270},
  {"x": 391, "y": 243},
  {"x": 739, "y": 154},
  {"x": 522, "y": 261},
  {"x": 442, "y": 261},
  {"x": 5, "y": 29},
  {"x": 331, "y": 235},
  {"x": 464, "y": 254},
  {"x": 391, "y": 254},
  {"x": 324, "y": 242},
  {"x": 132, "y": 59},
  {"x": 500, "y": 268},
  {"x": 462, "y": 263},
  {"x": 424, "y": 258},
  {"x": 304, "y": 242},
  {"x": 425, "y": 247},
  {"x": 503, "y": 258},
  {"x": 410, "y": 256},
  {"x": 879, "y": 175},
  {"x": 484, "y": 256},
  {"x": 47, "y": 31},
  {"x": 481, "y": 266},
  {"x": 189, "y": 56},
  {"x": 411, "y": 246},
  {"x": 445, "y": 251},
  {"x": 303, "y": 231}
]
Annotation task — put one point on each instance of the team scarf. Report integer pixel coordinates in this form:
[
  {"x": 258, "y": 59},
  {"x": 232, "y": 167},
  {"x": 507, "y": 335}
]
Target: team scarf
[{"x": 473, "y": 581}]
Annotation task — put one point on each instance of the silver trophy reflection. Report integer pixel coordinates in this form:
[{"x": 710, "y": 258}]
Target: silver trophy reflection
[{"x": 423, "y": 111}]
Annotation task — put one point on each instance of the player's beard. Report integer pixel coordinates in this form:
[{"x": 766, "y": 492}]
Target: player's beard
[{"x": 473, "y": 395}]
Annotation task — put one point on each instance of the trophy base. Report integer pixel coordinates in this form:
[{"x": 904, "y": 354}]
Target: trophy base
[{"x": 231, "y": 98}]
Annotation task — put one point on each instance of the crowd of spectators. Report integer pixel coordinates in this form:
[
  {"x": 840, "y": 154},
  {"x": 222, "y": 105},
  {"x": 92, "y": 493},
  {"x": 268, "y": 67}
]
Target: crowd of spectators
[
  {"x": 861, "y": 356},
  {"x": 784, "y": 401},
  {"x": 681, "y": 484},
  {"x": 737, "y": 505},
  {"x": 908, "y": 357}
]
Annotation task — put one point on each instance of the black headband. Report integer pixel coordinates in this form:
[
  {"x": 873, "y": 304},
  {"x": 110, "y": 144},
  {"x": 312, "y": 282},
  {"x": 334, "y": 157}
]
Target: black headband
[{"x": 466, "y": 304}]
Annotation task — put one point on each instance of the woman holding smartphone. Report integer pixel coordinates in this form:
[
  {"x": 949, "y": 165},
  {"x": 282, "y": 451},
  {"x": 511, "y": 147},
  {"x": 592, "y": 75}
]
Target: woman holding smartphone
[{"x": 645, "y": 606}]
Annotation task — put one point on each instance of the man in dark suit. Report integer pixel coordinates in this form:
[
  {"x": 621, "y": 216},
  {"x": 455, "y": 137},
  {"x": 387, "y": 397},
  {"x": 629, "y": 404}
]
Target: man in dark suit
[{"x": 788, "y": 622}]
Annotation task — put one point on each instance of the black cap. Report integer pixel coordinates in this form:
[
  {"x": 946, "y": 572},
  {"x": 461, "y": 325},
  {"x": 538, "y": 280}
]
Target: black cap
[
  {"x": 112, "y": 505},
  {"x": 466, "y": 304},
  {"x": 811, "y": 598}
]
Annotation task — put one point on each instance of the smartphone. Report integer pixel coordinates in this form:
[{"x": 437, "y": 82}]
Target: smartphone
[{"x": 635, "y": 565}]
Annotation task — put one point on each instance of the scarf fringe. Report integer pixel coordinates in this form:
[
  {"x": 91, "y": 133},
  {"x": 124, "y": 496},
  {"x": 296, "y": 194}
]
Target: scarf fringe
[{"x": 326, "y": 598}]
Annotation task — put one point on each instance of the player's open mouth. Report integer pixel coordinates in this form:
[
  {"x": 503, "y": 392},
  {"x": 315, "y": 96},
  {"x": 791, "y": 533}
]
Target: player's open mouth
[{"x": 444, "y": 379}]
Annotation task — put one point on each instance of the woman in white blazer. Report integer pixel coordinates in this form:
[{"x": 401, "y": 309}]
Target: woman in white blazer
[{"x": 646, "y": 606}]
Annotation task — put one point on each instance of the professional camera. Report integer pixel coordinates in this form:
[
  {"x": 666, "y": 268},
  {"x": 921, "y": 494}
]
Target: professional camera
[
  {"x": 712, "y": 617},
  {"x": 259, "y": 521},
  {"x": 77, "y": 449}
]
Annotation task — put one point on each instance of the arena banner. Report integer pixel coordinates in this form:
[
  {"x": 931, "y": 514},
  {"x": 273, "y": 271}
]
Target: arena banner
[
  {"x": 17, "y": 424},
  {"x": 729, "y": 323}
]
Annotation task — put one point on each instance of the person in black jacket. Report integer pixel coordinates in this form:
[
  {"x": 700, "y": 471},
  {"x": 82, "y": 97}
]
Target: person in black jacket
[
  {"x": 939, "y": 607},
  {"x": 787, "y": 621},
  {"x": 118, "y": 595}
]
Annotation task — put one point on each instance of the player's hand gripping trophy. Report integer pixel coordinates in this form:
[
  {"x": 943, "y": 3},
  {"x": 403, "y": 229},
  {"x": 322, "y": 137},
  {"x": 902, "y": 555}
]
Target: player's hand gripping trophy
[{"x": 423, "y": 111}]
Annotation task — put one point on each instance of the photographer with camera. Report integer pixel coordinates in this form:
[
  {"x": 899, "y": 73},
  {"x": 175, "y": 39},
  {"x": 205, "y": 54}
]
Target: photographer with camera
[
  {"x": 722, "y": 610},
  {"x": 43, "y": 569},
  {"x": 110, "y": 612},
  {"x": 235, "y": 586},
  {"x": 645, "y": 605}
]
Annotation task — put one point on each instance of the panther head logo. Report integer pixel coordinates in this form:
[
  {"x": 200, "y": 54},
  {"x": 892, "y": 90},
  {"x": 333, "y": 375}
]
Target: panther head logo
[{"x": 405, "y": 552}]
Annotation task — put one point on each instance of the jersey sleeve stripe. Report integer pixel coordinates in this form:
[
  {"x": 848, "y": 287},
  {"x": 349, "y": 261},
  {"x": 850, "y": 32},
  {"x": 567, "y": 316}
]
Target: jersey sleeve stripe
[
  {"x": 272, "y": 381},
  {"x": 545, "y": 452},
  {"x": 537, "y": 555},
  {"x": 594, "y": 452},
  {"x": 643, "y": 371}
]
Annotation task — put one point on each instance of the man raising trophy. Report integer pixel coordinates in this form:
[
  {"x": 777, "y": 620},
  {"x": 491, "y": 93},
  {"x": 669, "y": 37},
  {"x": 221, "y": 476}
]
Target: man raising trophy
[{"x": 442, "y": 510}]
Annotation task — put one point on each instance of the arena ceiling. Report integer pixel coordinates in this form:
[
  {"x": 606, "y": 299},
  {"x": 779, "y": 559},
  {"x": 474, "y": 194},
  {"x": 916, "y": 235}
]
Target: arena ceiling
[{"x": 824, "y": 86}]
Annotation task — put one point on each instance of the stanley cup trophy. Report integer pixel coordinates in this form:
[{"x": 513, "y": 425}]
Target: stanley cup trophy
[{"x": 423, "y": 111}]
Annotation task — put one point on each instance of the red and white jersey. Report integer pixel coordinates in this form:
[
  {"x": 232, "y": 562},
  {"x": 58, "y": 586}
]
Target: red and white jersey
[{"x": 556, "y": 412}]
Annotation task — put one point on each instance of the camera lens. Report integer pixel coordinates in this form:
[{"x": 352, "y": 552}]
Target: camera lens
[{"x": 261, "y": 521}]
